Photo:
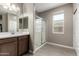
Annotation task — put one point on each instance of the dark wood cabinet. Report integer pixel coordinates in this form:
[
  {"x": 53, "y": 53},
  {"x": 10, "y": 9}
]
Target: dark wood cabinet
[
  {"x": 8, "y": 47},
  {"x": 14, "y": 46},
  {"x": 23, "y": 44}
]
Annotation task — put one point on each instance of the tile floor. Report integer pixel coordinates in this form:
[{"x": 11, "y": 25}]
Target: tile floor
[{"x": 50, "y": 50}]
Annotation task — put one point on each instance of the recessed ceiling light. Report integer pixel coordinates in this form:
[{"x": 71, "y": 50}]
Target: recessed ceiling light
[
  {"x": 17, "y": 8},
  {"x": 6, "y": 7},
  {"x": 13, "y": 7}
]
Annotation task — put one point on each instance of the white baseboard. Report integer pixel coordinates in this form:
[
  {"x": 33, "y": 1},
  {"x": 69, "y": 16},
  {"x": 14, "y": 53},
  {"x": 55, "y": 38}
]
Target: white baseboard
[
  {"x": 59, "y": 45},
  {"x": 39, "y": 48}
]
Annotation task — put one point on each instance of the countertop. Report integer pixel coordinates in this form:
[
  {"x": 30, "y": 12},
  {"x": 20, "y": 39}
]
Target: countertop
[{"x": 9, "y": 34}]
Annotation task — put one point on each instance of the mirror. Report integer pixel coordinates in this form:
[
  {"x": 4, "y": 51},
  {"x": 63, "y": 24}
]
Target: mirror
[
  {"x": 12, "y": 23},
  {"x": 10, "y": 20},
  {"x": 3, "y": 22}
]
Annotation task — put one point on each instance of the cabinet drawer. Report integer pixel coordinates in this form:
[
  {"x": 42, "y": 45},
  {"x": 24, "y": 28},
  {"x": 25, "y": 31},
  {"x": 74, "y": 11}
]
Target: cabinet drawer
[
  {"x": 21, "y": 37},
  {"x": 6, "y": 40}
]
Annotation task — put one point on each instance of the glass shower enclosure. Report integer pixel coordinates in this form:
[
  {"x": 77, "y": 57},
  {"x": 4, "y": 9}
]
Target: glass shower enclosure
[{"x": 39, "y": 32}]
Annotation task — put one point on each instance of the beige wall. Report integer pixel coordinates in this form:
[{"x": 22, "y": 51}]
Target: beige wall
[{"x": 67, "y": 37}]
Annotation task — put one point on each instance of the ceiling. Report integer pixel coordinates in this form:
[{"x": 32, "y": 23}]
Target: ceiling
[{"x": 41, "y": 7}]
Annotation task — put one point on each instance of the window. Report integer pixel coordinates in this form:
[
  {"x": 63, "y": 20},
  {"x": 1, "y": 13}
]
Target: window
[
  {"x": 23, "y": 23},
  {"x": 58, "y": 23}
]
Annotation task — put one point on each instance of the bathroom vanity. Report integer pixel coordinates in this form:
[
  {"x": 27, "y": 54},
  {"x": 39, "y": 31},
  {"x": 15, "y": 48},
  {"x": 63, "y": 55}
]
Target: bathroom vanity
[
  {"x": 13, "y": 44},
  {"x": 14, "y": 28}
]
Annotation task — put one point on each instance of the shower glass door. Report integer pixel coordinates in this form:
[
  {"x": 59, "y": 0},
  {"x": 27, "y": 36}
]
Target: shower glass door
[
  {"x": 39, "y": 32},
  {"x": 43, "y": 39}
]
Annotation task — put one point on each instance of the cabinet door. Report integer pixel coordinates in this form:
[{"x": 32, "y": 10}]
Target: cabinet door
[
  {"x": 8, "y": 49},
  {"x": 23, "y": 44}
]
